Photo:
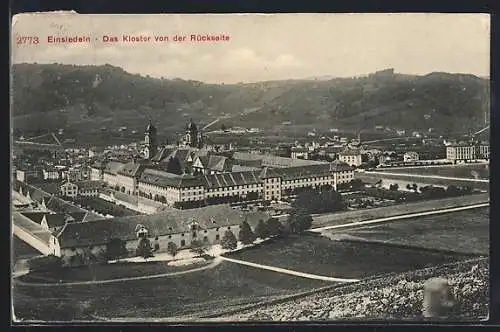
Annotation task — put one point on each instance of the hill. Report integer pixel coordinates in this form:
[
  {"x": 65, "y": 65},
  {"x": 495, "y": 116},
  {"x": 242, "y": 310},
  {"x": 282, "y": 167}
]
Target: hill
[{"x": 87, "y": 98}]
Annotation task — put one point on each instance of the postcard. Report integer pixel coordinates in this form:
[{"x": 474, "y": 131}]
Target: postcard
[{"x": 250, "y": 167}]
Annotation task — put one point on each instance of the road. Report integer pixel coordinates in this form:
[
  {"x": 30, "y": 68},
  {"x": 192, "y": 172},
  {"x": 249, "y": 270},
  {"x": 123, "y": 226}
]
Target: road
[
  {"x": 428, "y": 176},
  {"x": 286, "y": 271},
  {"x": 337, "y": 218},
  {"x": 399, "y": 217}
]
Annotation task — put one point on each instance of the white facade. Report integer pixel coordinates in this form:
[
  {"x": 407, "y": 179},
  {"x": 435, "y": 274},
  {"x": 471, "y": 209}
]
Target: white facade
[{"x": 351, "y": 159}]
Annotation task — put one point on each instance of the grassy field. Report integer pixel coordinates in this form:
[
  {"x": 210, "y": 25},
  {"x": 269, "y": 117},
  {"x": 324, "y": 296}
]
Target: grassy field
[
  {"x": 464, "y": 231},
  {"x": 226, "y": 286},
  {"x": 466, "y": 171},
  {"x": 399, "y": 209},
  {"x": 392, "y": 297},
  {"x": 105, "y": 272},
  {"x": 344, "y": 259}
]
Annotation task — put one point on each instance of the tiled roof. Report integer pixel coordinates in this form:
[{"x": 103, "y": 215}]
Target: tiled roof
[
  {"x": 230, "y": 179},
  {"x": 35, "y": 216},
  {"x": 171, "y": 222},
  {"x": 219, "y": 163},
  {"x": 55, "y": 220},
  {"x": 113, "y": 167},
  {"x": 76, "y": 216},
  {"x": 239, "y": 168},
  {"x": 164, "y": 179},
  {"x": 132, "y": 169},
  {"x": 350, "y": 153},
  {"x": 163, "y": 154},
  {"x": 89, "y": 184},
  {"x": 292, "y": 173}
]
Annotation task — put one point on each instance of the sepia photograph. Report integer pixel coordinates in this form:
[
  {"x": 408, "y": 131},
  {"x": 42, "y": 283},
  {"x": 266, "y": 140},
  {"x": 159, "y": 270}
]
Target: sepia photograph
[{"x": 250, "y": 167}]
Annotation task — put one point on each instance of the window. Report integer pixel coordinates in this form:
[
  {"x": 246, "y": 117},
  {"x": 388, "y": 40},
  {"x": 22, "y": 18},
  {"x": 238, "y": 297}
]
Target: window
[
  {"x": 183, "y": 242},
  {"x": 182, "y": 234},
  {"x": 205, "y": 239},
  {"x": 217, "y": 237},
  {"x": 194, "y": 234}
]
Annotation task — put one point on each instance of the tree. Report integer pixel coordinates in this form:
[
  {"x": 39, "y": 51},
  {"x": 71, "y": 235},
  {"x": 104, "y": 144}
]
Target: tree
[
  {"x": 274, "y": 227},
  {"x": 172, "y": 249},
  {"x": 198, "y": 247},
  {"x": 246, "y": 236},
  {"x": 261, "y": 230},
  {"x": 229, "y": 241},
  {"x": 144, "y": 248},
  {"x": 394, "y": 187},
  {"x": 313, "y": 201},
  {"x": 299, "y": 222},
  {"x": 115, "y": 249}
]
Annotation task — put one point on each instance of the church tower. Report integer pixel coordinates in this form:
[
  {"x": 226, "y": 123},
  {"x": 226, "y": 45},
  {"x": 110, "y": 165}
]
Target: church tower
[
  {"x": 191, "y": 137},
  {"x": 150, "y": 139}
]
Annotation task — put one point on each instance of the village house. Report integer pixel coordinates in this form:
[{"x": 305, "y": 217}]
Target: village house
[
  {"x": 351, "y": 157},
  {"x": 410, "y": 156},
  {"x": 51, "y": 173},
  {"x": 299, "y": 152},
  {"x": 81, "y": 189}
]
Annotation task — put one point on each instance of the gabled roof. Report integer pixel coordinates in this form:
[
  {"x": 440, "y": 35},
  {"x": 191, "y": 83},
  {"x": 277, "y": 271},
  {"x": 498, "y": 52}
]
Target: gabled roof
[
  {"x": 300, "y": 172},
  {"x": 113, "y": 167},
  {"x": 132, "y": 169},
  {"x": 89, "y": 184},
  {"x": 34, "y": 216},
  {"x": 350, "y": 153},
  {"x": 163, "y": 153},
  {"x": 219, "y": 163},
  {"x": 171, "y": 222},
  {"x": 76, "y": 216},
  {"x": 231, "y": 179},
  {"x": 165, "y": 179},
  {"x": 55, "y": 220}
]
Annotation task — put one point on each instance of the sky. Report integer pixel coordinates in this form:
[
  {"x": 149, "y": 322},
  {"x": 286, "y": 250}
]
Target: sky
[{"x": 264, "y": 47}]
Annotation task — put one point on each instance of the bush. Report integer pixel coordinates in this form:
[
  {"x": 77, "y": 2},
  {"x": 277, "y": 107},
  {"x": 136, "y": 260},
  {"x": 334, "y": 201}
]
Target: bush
[
  {"x": 261, "y": 230},
  {"x": 246, "y": 236},
  {"x": 298, "y": 223},
  {"x": 313, "y": 201},
  {"x": 115, "y": 249},
  {"x": 172, "y": 249},
  {"x": 274, "y": 227},
  {"x": 144, "y": 248},
  {"x": 229, "y": 241},
  {"x": 199, "y": 247}
]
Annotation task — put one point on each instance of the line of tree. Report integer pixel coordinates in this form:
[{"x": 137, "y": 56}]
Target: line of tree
[{"x": 313, "y": 201}]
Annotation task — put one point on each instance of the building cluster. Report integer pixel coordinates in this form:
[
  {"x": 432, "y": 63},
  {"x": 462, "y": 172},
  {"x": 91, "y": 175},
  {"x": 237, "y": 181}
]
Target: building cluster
[{"x": 192, "y": 173}]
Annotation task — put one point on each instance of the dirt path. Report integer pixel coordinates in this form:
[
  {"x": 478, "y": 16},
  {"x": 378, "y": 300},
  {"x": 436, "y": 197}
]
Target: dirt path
[{"x": 285, "y": 271}]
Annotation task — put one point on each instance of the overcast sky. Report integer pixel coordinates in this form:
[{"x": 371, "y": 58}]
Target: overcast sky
[{"x": 267, "y": 47}]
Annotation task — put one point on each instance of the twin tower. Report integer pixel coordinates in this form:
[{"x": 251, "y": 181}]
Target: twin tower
[{"x": 192, "y": 138}]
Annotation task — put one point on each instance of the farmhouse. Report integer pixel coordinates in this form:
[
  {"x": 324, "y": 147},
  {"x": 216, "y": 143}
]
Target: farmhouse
[{"x": 182, "y": 227}]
